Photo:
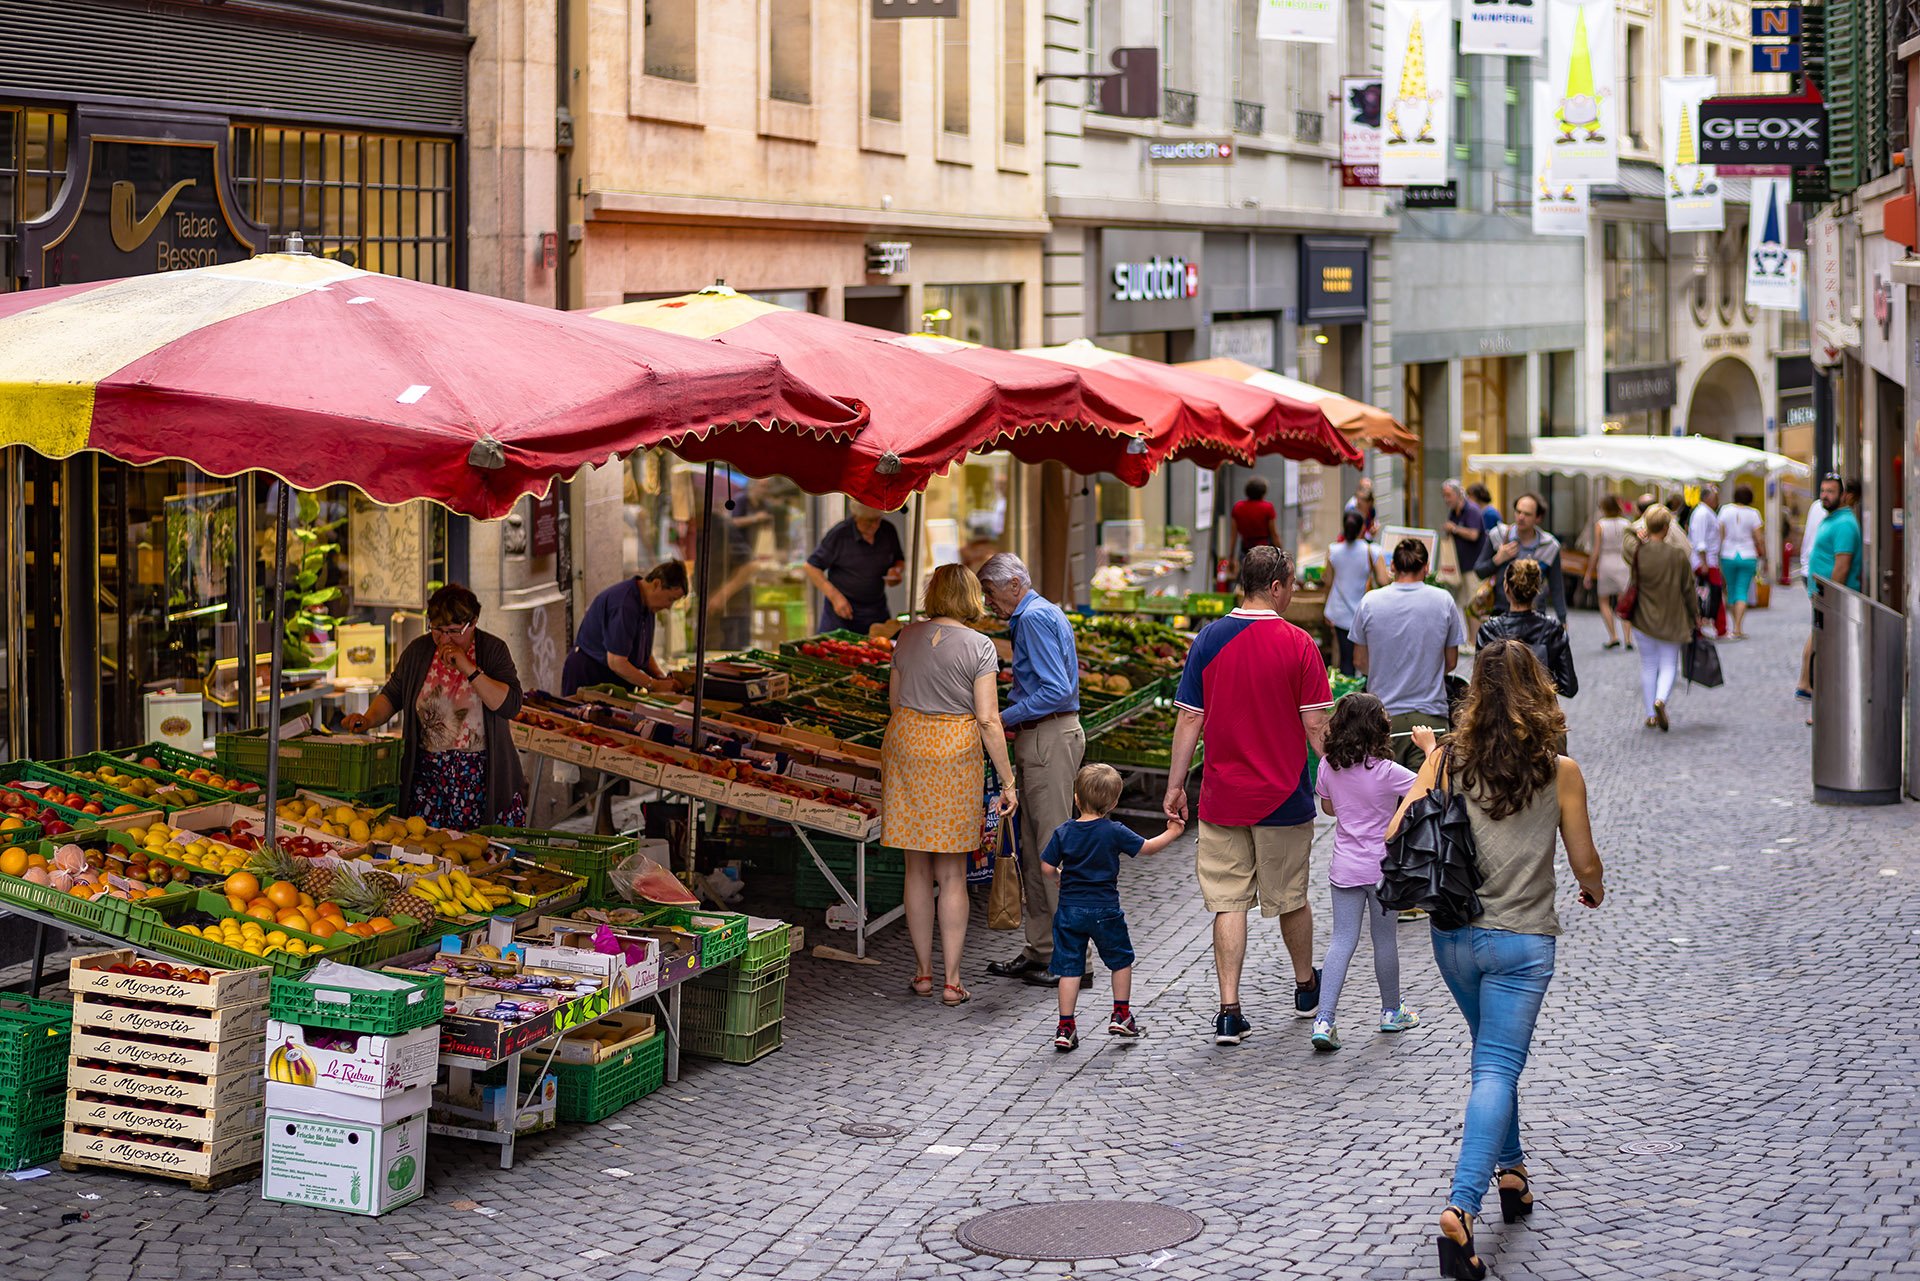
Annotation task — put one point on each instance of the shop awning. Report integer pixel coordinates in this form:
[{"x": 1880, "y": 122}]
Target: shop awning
[
  {"x": 1362, "y": 424},
  {"x": 928, "y": 410},
  {"x": 323, "y": 374},
  {"x": 1653, "y": 460}
]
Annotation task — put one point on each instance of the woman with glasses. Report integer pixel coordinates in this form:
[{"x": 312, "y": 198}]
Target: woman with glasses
[{"x": 458, "y": 766}]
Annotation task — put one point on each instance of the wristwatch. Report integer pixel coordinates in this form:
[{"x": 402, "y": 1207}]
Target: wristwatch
[{"x": 474, "y": 675}]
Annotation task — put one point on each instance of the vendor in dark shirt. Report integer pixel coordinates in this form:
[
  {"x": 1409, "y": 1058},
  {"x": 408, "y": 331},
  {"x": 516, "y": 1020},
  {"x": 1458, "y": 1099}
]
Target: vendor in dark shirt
[
  {"x": 614, "y": 645},
  {"x": 853, "y": 566}
]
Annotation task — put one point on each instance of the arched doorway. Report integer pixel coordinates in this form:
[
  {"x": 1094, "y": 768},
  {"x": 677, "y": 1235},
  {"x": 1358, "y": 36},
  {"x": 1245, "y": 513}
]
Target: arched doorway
[{"x": 1726, "y": 404}]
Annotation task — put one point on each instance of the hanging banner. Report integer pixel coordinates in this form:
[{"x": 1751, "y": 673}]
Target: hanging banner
[
  {"x": 1360, "y": 131},
  {"x": 1832, "y": 334},
  {"x": 1582, "y": 101},
  {"x": 1418, "y": 85},
  {"x": 1694, "y": 199},
  {"x": 1304, "y": 21},
  {"x": 1773, "y": 270},
  {"x": 1509, "y": 27},
  {"x": 1559, "y": 207}
]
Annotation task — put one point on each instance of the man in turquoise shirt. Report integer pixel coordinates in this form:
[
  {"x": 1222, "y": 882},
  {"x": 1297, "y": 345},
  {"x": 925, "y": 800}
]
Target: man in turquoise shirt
[{"x": 1835, "y": 557}]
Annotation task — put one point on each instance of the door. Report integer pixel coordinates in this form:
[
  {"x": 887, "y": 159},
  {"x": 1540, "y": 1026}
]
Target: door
[{"x": 1888, "y": 495}]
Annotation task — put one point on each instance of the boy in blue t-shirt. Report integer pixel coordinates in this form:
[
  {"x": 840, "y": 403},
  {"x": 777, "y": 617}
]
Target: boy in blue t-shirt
[{"x": 1085, "y": 855}]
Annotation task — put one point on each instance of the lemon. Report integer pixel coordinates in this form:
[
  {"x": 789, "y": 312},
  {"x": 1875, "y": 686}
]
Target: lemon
[
  {"x": 276, "y": 936},
  {"x": 253, "y": 949},
  {"x": 359, "y": 831}
]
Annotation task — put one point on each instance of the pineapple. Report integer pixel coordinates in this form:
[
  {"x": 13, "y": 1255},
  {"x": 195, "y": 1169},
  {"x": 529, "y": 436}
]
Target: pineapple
[
  {"x": 372, "y": 893},
  {"x": 278, "y": 864}
]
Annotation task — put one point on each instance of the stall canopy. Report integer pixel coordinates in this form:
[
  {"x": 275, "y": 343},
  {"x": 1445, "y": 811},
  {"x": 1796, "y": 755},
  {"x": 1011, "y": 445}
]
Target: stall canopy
[
  {"x": 1650, "y": 460},
  {"x": 324, "y": 374},
  {"x": 928, "y": 411},
  {"x": 1365, "y": 426}
]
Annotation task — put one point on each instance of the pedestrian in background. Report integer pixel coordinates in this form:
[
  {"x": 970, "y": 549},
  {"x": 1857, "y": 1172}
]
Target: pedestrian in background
[
  {"x": 1827, "y": 499},
  {"x": 1083, "y": 856},
  {"x": 1255, "y": 688},
  {"x": 1667, "y": 610},
  {"x": 1406, "y": 638},
  {"x": 853, "y": 566},
  {"x": 1538, "y": 632},
  {"x": 1703, "y": 531},
  {"x": 1607, "y": 567},
  {"x": 1353, "y": 569},
  {"x": 1743, "y": 554},
  {"x": 1525, "y": 539},
  {"x": 1255, "y": 519},
  {"x": 1360, "y": 785},
  {"x": 1466, "y": 526},
  {"x": 1362, "y": 502},
  {"x": 1490, "y": 517},
  {"x": 1835, "y": 557},
  {"x": 944, "y": 696},
  {"x": 1522, "y": 798},
  {"x": 1043, "y": 714}
]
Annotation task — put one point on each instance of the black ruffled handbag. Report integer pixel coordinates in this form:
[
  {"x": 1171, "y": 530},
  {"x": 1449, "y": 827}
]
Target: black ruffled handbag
[{"x": 1431, "y": 862}]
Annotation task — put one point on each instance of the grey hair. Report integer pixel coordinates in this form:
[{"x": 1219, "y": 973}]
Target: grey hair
[
  {"x": 1005, "y": 568},
  {"x": 1453, "y": 483}
]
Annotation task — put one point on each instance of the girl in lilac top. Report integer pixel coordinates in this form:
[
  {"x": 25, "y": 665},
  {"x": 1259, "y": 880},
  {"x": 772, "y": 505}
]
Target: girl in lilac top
[{"x": 1360, "y": 784}]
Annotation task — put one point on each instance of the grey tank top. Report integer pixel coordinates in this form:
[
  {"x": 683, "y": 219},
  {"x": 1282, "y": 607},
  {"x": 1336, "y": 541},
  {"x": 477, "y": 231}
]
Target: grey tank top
[{"x": 1515, "y": 856}]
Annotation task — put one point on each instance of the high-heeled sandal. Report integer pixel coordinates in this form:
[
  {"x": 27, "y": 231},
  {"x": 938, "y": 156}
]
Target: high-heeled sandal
[
  {"x": 1457, "y": 1259},
  {"x": 1515, "y": 1203},
  {"x": 915, "y": 988},
  {"x": 955, "y": 995}
]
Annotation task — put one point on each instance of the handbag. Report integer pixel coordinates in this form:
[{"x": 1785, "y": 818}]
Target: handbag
[
  {"x": 1431, "y": 862},
  {"x": 1003, "y": 899},
  {"x": 1629, "y": 599},
  {"x": 1700, "y": 663}
]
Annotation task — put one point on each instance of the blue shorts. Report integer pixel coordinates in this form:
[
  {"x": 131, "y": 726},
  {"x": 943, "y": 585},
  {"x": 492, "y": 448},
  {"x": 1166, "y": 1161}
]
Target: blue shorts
[{"x": 1074, "y": 927}]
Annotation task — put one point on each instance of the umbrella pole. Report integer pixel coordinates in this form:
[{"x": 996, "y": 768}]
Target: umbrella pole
[
  {"x": 277, "y": 635},
  {"x": 703, "y": 573},
  {"x": 913, "y": 565}
]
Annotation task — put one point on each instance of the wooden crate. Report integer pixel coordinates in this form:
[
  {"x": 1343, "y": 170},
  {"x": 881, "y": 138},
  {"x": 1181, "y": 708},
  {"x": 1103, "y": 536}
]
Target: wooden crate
[
  {"x": 237, "y": 1088},
  {"x": 211, "y": 1058},
  {"x": 211, "y": 1125},
  {"x": 204, "y": 1166},
  {"x": 92, "y": 975},
  {"x": 235, "y": 1022}
]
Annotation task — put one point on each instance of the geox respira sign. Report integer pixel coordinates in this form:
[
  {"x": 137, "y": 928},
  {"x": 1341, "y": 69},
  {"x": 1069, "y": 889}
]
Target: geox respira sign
[{"x": 1764, "y": 131}]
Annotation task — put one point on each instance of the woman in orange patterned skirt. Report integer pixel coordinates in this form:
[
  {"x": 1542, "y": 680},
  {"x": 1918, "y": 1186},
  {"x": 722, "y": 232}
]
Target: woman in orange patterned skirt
[{"x": 945, "y": 697}]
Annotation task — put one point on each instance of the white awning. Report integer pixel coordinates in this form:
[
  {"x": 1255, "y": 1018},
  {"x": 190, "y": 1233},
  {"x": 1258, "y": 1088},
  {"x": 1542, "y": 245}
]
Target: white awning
[{"x": 1679, "y": 460}]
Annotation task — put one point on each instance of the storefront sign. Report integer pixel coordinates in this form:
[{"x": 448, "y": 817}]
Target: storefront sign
[
  {"x": 1359, "y": 131},
  {"x": 544, "y": 537},
  {"x": 1885, "y": 330},
  {"x": 1763, "y": 131},
  {"x": 1582, "y": 98},
  {"x": 1333, "y": 279},
  {"x": 1508, "y": 27},
  {"x": 1770, "y": 59},
  {"x": 1418, "y": 89},
  {"x": 1830, "y": 332},
  {"x": 916, "y": 9},
  {"x": 1304, "y": 21},
  {"x": 1559, "y": 208},
  {"x": 149, "y": 195},
  {"x": 1773, "y": 270},
  {"x": 889, "y": 257},
  {"x": 1694, "y": 199},
  {"x": 1639, "y": 391},
  {"x": 1248, "y": 341},
  {"x": 1149, "y": 280},
  {"x": 1445, "y": 195},
  {"x": 1775, "y": 22},
  {"x": 1190, "y": 151}
]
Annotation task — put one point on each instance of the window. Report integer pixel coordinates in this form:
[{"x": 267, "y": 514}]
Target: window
[
  {"x": 1713, "y": 65},
  {"x": 954, "y": 83},
  {"x": 790, "y": 61},
  {"x": 33, "y": 165},
  {"x": 1246, "y": 45},
  {"x": 1015, "y": 91},
  {"x": 1690, "y": 62},
  {"x": 1176, "y": 46},
  {"x": 671, "y": 40},
  {"x": 1519, "y": 150},
  {"x": 985, "y": 314},
  {"x": 1483, "y": 415},
  {"x": 1460, "y": 165},
  {"x": 1635, "y": 287},
  {"x": 1636, "y": 78},
  {"x": 883, "y": 68}
]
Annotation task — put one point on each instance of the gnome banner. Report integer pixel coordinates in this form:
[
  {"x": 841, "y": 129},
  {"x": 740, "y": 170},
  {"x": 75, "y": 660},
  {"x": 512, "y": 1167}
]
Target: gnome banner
[
  {"x": 1418, "y": 87},
  {"x": 1694, "y": 199},
  {"x": 1773, "y": 270},
  {"x": 1509, "y": 27},
  {"x": 1581, "y": 98},
  {"x": 1559, "y": 207},
  {"x": 1305, "y": 21}
]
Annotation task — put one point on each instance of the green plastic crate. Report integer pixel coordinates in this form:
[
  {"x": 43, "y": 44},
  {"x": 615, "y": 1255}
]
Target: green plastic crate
[
  {"x": 314, "y": 761},
  {"x": 34, "y": 772},
  {"x": 25, "y": 834},
  {"x": 172, "y": 758},
  {"x": 185, "y": 795},
  {"x": 35, "y": 1104},
  {"x": 723, "y": 935},
  {"x": 1211, "y": 604},
  {"x": 590, "y": 1092},
  {"x": 34, "y": 1036},
  {"x": 740, "y": 1003},
  {"x": 352, "y": 1009},
  {"x": 162, "y": 936},
  {"x": 1123, "y": 600},
  {"x": 30, "y": 1146},
  {"x": 768, "y": 947},
  {"x": 886, "y": 876},
  {"x": 730, "y": 1047},
  {"x": 575, "y": 853},
  {"x": 1167, "y": 605}
]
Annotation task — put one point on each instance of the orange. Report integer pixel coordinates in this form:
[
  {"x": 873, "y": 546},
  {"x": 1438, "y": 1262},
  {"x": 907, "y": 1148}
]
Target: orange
[
  {"x": 284, "y": 894},
  {"x": 291, "y": 916},
  {"x": 237, "y": 903},
  {"x": 243, "y": 886},
  {"x": 380, "y": 924},
  {"x": 331, "y": 908},
  {"x": 260, "y": 907},
  {"x": 306, "y": 899}
]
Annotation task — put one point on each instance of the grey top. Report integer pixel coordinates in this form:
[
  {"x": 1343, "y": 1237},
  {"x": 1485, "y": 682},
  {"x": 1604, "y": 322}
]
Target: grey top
[
  {"x": 1407, "y": 628},
  {"x": 1515, "y": 857},
  {"x": 936, "y": 664}
]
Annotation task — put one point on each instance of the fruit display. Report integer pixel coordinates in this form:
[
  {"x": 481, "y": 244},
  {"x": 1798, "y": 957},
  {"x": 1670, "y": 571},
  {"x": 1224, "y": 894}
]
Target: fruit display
[
  {"x": 28, "y": 808},
  {"x": 145, "y": 969},
  {"x": 314, "y": 898},
  {"x": 873, "y": 651},
  {"x": 199, "y": 851},
  {"x": 204, "y": 774},
  {"x": 350, "y": 822},
  {"x": 455, "y": 894},
  {"x": 75, "y": 870},
  {"x": 81, "y": 801},
  {"x": 174, "y": 794}
]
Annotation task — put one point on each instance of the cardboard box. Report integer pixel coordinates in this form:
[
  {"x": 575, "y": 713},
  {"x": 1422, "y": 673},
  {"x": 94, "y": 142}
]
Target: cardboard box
[
  {"x": 368, "y": 1162},
  {"x": 377, "y": 1067},
  {"x": 133, "y": 1118},
  {"x": 471, "y": 1035},
  {"x": 829, "y": 770},
  {"x": 758, "y": 800},
  {"x": 235, "y": 1021},
  {"x": 236, "y": 1089},
  {"x": 628, "y": 764},
  {"x": 567, "y": 947},
  {"x": 693, "y": 782},
  {"x": 135, "y": 1152},
  {"x": 579, "y": 1047},
  {"x": 90, "y": 974},
  {"x": 836, "y": 819},
  {"x": 212, "y": 1059},
  {"x": 535, "y": 1107},
  {"x": 679, "y": 954}
]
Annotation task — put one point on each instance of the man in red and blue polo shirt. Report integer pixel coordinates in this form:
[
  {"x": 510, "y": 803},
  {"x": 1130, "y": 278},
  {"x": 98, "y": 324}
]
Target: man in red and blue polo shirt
[{"x": 1255, "y": 688}]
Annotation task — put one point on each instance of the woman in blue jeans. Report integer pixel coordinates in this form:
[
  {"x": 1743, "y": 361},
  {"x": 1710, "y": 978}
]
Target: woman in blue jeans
[{"x": 1522, "y": 796}]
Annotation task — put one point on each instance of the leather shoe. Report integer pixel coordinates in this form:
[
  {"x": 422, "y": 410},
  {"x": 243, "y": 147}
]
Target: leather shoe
[
  {"x": 1044, "y": 979},
  {"x": 1019, "y": 965}
]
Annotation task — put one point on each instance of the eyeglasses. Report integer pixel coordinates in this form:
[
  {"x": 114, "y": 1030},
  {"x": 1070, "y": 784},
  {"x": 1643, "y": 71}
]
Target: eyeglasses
[{"x": 450, "y": 629}]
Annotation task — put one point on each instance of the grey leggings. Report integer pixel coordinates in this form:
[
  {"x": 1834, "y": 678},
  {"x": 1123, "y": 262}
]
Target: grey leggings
[{"x": 1349, "y": 905}]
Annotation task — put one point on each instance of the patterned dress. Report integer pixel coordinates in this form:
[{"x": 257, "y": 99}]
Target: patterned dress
[{"x": 450, "y": 779}]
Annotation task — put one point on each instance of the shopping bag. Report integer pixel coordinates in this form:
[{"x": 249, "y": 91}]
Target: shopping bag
[
  {"x": 1700, "y": 663},
  {"x": 1003, "y": 900}
]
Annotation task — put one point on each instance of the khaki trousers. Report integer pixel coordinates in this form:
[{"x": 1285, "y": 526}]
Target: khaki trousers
[{"x": 1046, "y": 757}]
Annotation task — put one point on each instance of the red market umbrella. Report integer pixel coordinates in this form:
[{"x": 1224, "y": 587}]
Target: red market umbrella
[
  {"x": 326, "y": 375},
  {"x": 1362, "y": 424}
]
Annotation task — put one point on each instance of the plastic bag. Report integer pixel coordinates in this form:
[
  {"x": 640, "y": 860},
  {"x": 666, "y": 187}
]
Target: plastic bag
[{"x": 638, "y": 879}]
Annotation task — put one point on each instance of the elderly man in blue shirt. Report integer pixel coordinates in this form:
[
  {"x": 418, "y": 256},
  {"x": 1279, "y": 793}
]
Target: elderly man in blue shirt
[{"x": 1043, "y": 715}]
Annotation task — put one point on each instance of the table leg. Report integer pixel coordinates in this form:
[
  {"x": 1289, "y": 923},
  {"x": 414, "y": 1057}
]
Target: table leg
[{"x": 39, "y": 957}]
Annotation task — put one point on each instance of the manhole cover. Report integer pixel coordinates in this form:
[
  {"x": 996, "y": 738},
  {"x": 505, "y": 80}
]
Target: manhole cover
[
  {"x": 1650, "y": 1147},
  {"x": 871, "y": 1130},
  {"x": 1071, "y": 1230}
]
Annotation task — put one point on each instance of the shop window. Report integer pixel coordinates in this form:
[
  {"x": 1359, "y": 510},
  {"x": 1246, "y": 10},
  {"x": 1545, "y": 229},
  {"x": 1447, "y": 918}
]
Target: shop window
[
  {"x": 985, "y": 314},
  {"x": 955, "y": 83},
  {"x": 671, "y": 40},
  {"x": 1483, "y": 416},
  {"x": 1634, "y": 269},
  {"x": 971, "y": 513},
  {"x": 380, "y": 202},
  {"x": 883, "y": 68},
  {"x": 790, "y": 54},
  {"x": 33, "y": 165},
  {"x": 1015, "y": 89}
]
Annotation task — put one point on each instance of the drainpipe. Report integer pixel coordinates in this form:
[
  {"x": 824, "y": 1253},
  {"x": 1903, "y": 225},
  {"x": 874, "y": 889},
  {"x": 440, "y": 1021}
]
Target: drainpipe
[{"x": 563, "y": 270}]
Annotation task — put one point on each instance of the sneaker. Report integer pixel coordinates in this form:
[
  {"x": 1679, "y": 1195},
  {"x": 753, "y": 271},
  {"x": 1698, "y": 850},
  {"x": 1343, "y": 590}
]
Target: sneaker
[
  {"x": 1306, "y": 1000},
  {"x": 1399, "y": 1020},
  {"x": 1230, "y": 1029},
  {"x": 1414, "y": 914},
  {"x": 1065, "y": 1037},
  {"x": 1325, "y": 1036},
  {"x": 1126, "y": 1027}
]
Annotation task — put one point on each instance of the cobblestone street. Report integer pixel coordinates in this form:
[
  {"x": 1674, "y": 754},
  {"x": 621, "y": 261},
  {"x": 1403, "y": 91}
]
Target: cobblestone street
[{"x": 1746, "y": 998}]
